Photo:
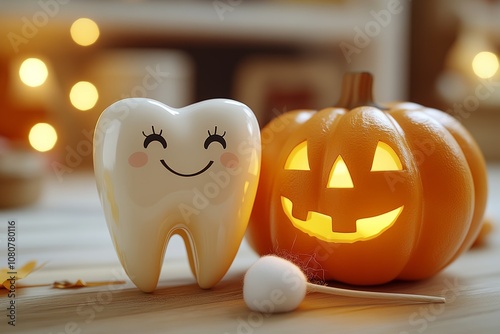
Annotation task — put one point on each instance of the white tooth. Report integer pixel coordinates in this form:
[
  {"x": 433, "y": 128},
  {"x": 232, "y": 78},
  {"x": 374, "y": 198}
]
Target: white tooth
[{"x": 197, "y": 177}]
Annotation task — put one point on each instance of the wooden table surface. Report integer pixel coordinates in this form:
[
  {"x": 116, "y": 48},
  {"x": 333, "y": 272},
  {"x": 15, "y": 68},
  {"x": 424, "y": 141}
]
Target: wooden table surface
[{"x": 66, "y": 231}]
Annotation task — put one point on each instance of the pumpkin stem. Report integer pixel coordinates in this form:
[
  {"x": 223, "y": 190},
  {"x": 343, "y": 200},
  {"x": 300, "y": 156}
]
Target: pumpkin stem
[{"x": 357, "y": 90}]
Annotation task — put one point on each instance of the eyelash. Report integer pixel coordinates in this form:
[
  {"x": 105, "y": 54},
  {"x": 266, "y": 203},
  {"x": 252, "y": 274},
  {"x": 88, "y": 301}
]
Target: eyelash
[
  {"x": 215, "y": 137},
  {"x": 212, "y": 137},
  {"x": 154, "y": 137}
]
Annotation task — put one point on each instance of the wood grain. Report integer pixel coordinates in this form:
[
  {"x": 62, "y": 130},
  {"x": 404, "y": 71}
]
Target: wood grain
[{"x": 68, "y": 231}]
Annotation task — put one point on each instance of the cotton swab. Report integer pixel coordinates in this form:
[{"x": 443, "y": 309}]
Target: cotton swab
[{"x": 275, "y": 285}]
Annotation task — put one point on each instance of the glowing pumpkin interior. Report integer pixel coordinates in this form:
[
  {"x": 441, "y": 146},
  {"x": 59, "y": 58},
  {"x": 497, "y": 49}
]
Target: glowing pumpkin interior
[{"x": 320, "y": 225}]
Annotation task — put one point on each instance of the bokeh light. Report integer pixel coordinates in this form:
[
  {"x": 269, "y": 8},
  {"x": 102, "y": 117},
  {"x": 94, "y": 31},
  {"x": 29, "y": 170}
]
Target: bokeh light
[
  {"x": 42, "y": 137},
  {"x": 84, "y": 31},
  {"x": 33, "y": 72},
  {"x": 485, "y": 64},
  {"x": 83, "y": 95}
]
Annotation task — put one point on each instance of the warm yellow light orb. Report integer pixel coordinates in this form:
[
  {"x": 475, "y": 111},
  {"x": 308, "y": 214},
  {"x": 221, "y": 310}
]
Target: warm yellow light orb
[
  {"x": 33, "y": 72},
  {"x": 83, "y": 95},
  {"x": 485, "y": 64},
  {"x": 84, "y": 31},
  {"x": 42, "y": 137}
]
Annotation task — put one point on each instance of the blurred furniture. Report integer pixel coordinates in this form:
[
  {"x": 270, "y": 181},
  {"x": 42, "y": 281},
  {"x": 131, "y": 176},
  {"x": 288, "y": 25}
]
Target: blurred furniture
[
  {"x": 445, "y": 38},
  {"x": 21, "y": 177},
  {"x": 216, "y": 37}
]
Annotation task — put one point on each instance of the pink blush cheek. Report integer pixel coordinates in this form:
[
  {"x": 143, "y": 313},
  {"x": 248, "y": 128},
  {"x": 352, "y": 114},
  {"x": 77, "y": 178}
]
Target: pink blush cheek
[
  {"x": 229, "y": 160},
  {"x": 138, "y": 159}
]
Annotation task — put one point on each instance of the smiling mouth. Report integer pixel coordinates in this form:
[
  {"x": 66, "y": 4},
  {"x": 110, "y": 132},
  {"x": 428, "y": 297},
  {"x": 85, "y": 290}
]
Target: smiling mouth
[
  {"x": 186, "y": 175},
  {"x": 320, "y": 226}
]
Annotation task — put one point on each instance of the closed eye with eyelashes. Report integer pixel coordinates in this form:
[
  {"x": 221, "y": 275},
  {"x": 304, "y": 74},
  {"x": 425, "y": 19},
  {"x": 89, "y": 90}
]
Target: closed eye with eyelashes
[
  {"x": 212, "y": 138},
  {"x": 215, "y": 137},
  {"x": 154, "y": 137}
]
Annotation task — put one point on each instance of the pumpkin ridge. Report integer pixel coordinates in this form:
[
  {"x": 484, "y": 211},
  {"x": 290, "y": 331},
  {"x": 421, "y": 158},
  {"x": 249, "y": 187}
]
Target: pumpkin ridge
[
  {"x": 433, "y": 147},
  {"x": 477, "y": 165}
]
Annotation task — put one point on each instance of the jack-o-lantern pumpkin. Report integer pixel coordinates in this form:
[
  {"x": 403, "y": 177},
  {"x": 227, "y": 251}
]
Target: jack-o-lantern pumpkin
[{"x": 368, "y": 194}]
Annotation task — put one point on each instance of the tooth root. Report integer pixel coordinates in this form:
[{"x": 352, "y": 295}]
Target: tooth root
[
  {"x": 141, "y": 252},
  {"x": 213, "y": 249},
  {"x": 212, "y": 238}
]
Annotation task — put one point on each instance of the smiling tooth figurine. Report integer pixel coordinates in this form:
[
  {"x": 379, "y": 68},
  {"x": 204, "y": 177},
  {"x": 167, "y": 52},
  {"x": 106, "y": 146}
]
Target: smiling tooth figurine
[{"x": 162, "y": 171}]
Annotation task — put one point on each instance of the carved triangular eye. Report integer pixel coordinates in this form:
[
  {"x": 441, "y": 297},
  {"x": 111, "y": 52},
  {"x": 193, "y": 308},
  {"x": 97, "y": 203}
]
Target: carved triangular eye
[
  {"x": 339, "y": 175},
  {"x": 297, "y": 160},
  {"x": 385, "y": 159}
]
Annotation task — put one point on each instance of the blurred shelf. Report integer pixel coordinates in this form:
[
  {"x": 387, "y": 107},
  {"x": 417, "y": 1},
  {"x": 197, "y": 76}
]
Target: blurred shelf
[
  {"x": 247, "y": 21},
  {"x": 311, "y": 27}
]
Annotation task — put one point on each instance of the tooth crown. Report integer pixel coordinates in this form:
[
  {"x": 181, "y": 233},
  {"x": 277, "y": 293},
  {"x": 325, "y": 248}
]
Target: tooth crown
[{"x": 191, "y": 171}]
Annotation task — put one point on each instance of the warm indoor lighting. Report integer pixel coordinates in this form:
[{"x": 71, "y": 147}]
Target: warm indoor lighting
[
  {"x": 42, "y": 137},
  {"x": 83, "y": 95},
  {"x": 485, "y": 64},
  {"x": 33, "y": 72},
  {"x": 84, "y": 32}
]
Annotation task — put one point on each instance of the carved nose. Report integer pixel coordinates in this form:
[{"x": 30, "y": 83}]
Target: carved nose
[{"x": 339, "y": 175}]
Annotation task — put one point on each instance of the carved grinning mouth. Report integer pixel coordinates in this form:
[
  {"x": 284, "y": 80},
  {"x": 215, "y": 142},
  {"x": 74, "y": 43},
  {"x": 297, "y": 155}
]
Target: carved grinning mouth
[
  {"x": 320, "y": 226},
  {"x": 186, "y": 175}
]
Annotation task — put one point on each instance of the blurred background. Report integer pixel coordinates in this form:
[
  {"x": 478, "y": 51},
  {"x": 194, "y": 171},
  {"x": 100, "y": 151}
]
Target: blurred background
[{"x": 62, "y": 62}]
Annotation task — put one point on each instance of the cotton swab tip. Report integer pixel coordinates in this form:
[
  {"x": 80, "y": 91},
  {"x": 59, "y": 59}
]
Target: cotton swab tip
[{"x": 274, "y": 285}]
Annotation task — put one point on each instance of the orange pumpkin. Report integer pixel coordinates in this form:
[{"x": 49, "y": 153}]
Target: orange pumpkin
[{"x": 366, "y": 194}]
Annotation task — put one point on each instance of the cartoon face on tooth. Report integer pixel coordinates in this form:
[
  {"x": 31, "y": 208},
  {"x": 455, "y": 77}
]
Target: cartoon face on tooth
[
  {"x": 139, "y": 159},
  {"x": 167, "y": 159}
]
